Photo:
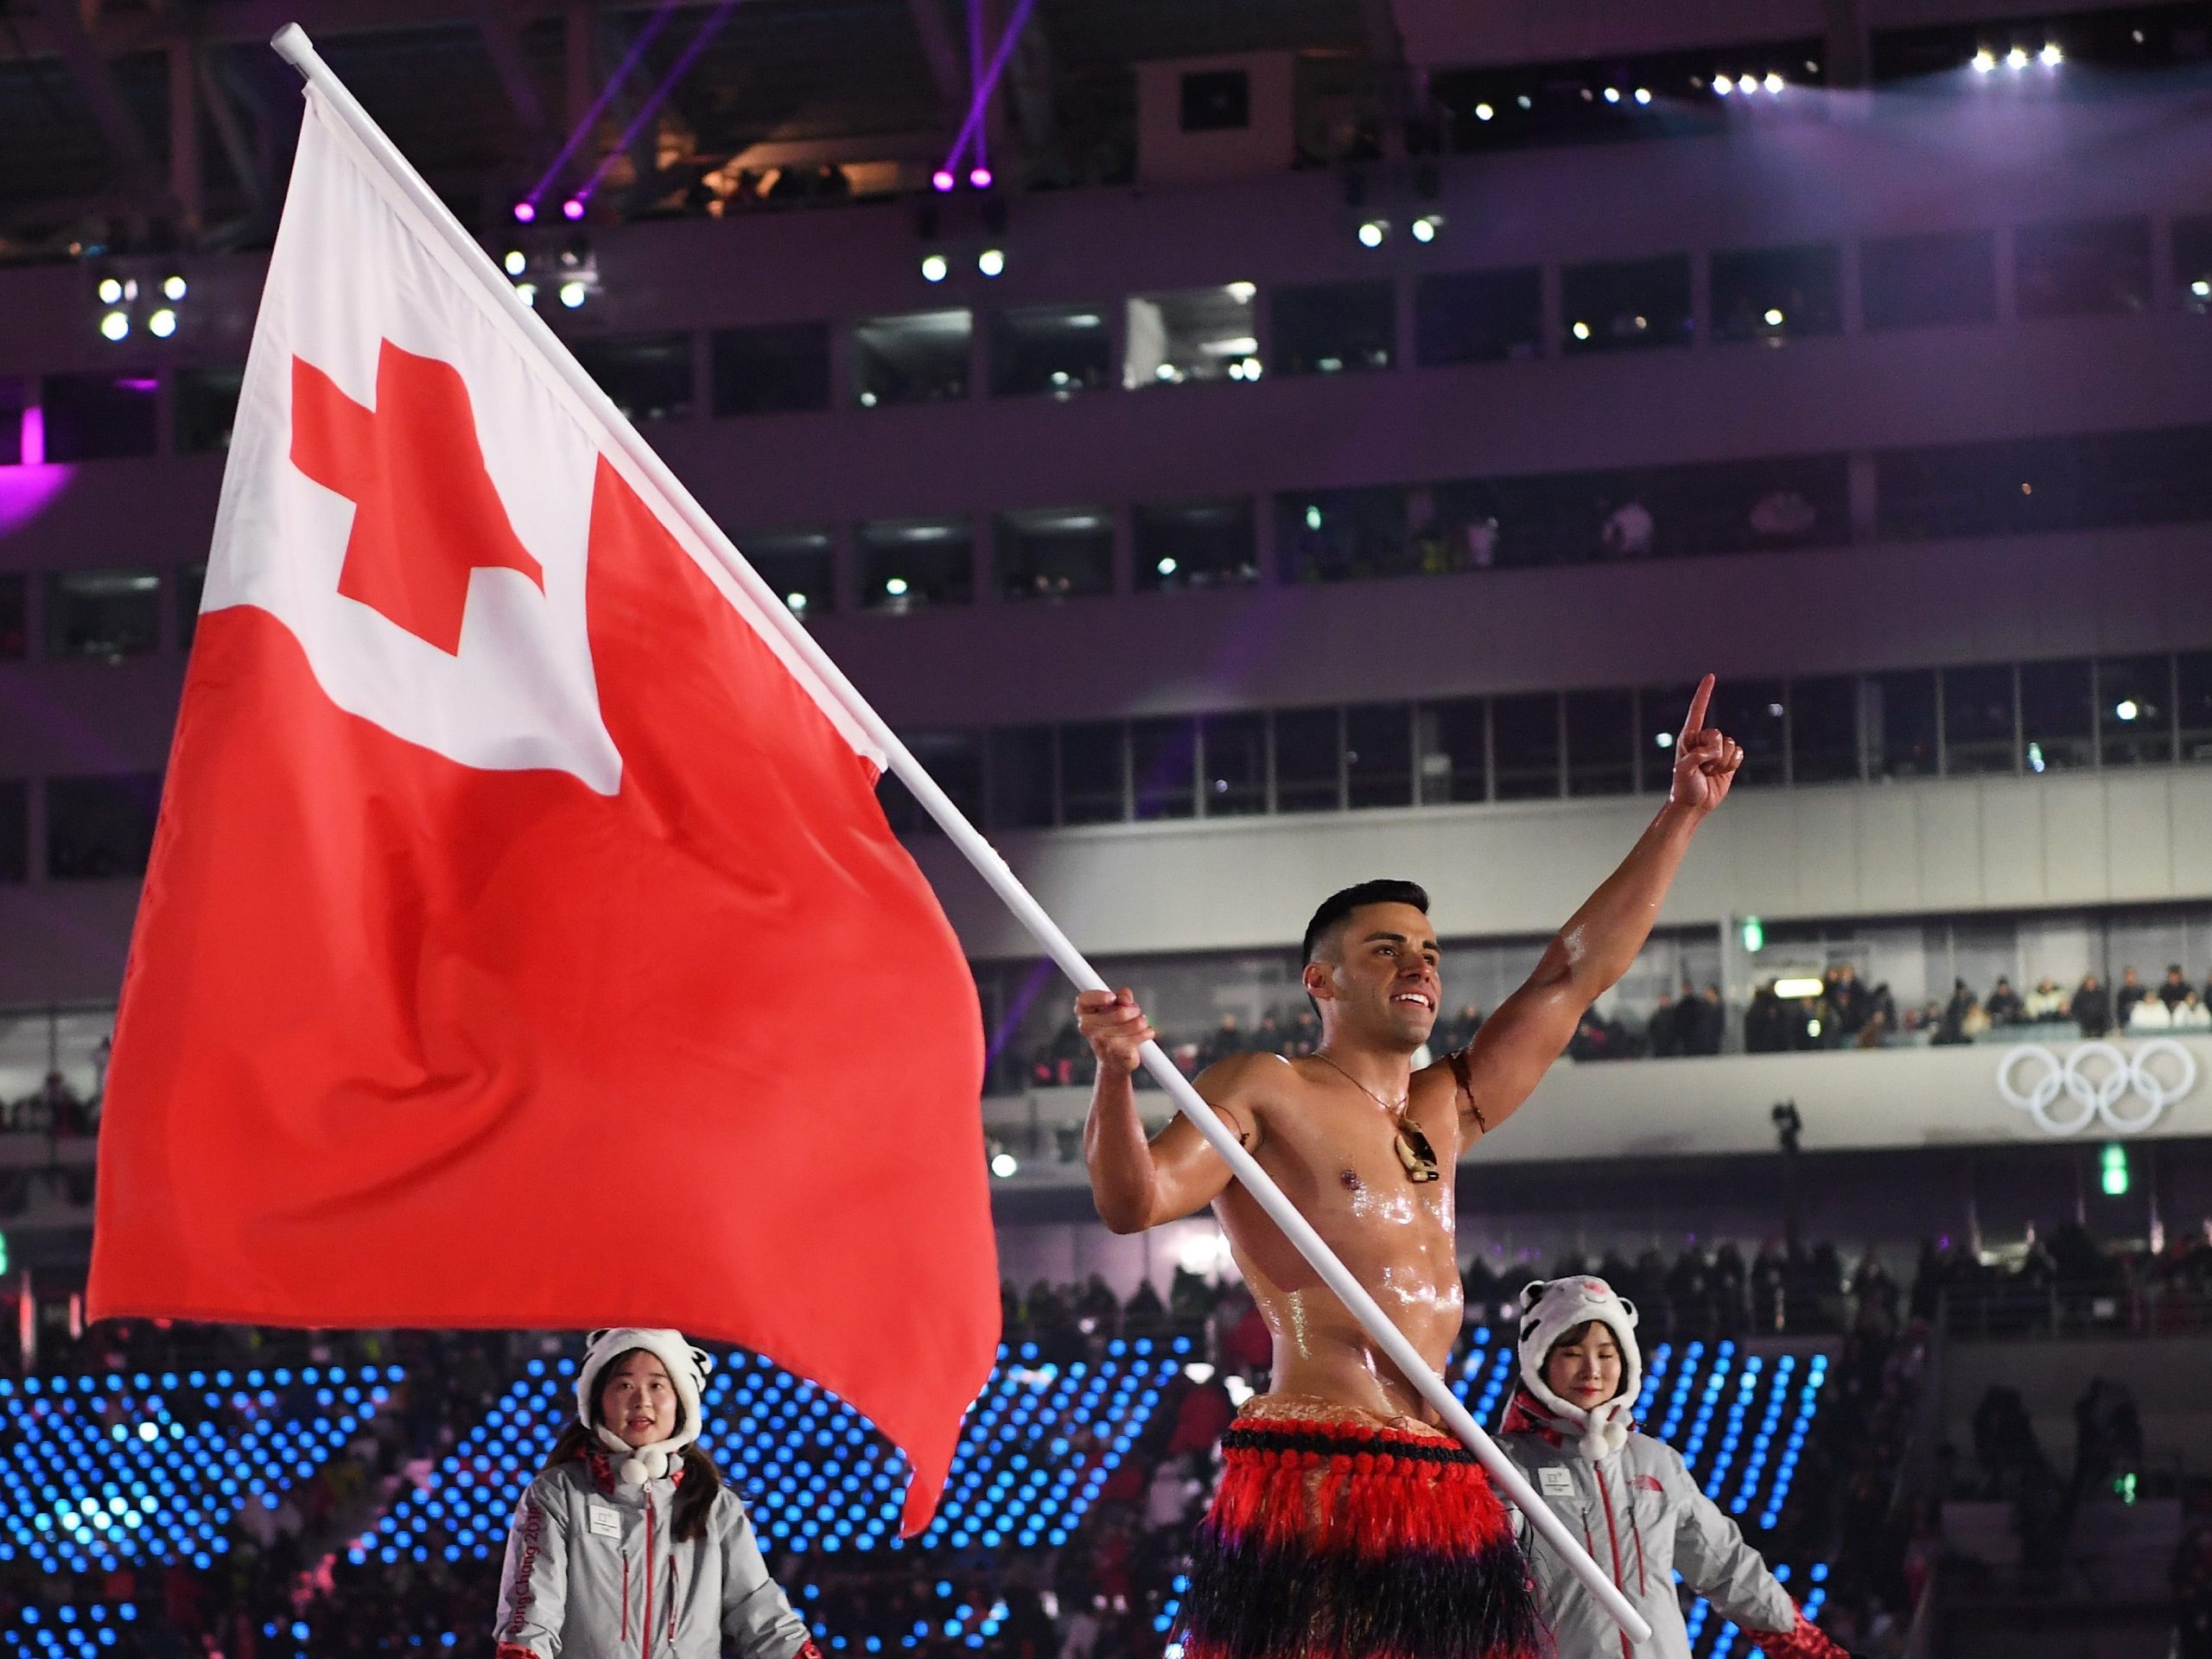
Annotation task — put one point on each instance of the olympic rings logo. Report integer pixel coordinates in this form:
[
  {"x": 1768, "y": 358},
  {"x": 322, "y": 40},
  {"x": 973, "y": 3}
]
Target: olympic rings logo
[{"x": 2096, "y": 1077}]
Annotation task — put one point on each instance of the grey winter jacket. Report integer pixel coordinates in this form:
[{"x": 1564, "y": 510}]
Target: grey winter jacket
[
  {"x": 592, "y": 1573},
  {"x": 1643, "y": 1518}
]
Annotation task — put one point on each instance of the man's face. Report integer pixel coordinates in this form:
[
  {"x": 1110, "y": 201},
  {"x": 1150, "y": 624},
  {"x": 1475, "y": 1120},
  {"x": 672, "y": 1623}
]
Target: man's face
[{"x": 1379, "y": 974}]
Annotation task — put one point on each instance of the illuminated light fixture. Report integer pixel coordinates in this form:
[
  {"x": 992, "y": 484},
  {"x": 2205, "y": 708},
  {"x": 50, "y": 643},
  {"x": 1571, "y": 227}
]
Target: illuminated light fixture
[
  {"x": 572, "y": 294},
  {"x": 1612, "y": 94},
  {"x": 515, "y": 263},
  {"x": 116, "y": 325},
  {"x": 796, "y": 603},
  {"x": 979, "y": 177},
  {"x": 2126, "y": 708},
  {"x": 1426, "y": 227},
  {"x": 1808, "y": 985},
  {"x": 110, "y": 291},
  {"x": 1664, "y": 740},
  {"x": 991, "y": 261},
  {"x": 1371, "y": 232},
  {"x": 1241, "y": 292},
  {"x": 1774, "y": 82},
  {"x": 896, "y": 587},
  {"x": 1643, "y": 94},
  {"x": 2202, "y": 288},
  {"x": 527, "y": 293},
  {"x": 2050, "y": 56},
  {"x": 1484, "y": 112},
  {"x": 573, "y": 208},
  {"x": 867, "y": 400},
  {"x": 1166, "y": 567},
  {"x": 1251, "y": 368},
  {"x": 1582, "y": 330},
  {"x": 526, "y": 211},
  {"x": 2016, "y": 58},
  {"x": 1003, "y": 1165},
  {"x": 1753, "y": 934},
  {"x": 934, "y": 268},
  {"x": 941, "y": 181},
  {"x": 2111, "y": 1164},
  {"x": 1773, "y": 316},
  {"x": 1723, "y": 85},
  {"x": 1525, "y": 101},
  {"x": 1984, "y": 61},
  {"x": 1312, "y": 517},
  {"x": 173, "y": 287},
  {"x": 162, "y": 324}
]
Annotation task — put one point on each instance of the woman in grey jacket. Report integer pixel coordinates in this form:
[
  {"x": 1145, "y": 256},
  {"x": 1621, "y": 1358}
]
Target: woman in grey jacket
[
  {"x": 627, "y": 1545},
  {"x": 1628, "y": 1497}
]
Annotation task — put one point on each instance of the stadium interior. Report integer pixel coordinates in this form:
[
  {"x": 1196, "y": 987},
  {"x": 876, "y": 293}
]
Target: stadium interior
[{"x": 1246, "y": 447}]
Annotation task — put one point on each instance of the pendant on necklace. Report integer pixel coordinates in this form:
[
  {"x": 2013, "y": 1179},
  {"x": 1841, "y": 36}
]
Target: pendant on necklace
[{"x": 1417, "y": 1155}]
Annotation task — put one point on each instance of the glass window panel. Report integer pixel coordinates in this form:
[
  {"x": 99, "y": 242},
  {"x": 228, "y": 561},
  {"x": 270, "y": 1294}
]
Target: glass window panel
[
  {"x": 100, "y": 828},
  {"x": 2013, "y": 486},
  {"x": 1379, "y": 754},
  {"x": 108, "y": 614},
  {"x": 1309, "y": 758},
  {"x": 1093, "y": 789},
  {"x": 801, "y": 565},
  {"x": 206, "y": 404},
  {"x": 1198, "y": 333},
  {"x": 920, "y": 358},
  {"x": 1234, "y": 754},
  {"x": 2193, "y": 262},
  {"x": 1163, "y": 768},
  {"x": 1754, "y": 714},
  {"x": 1901, "y": 723},
  {"x": 1626, "y": 305},
  {"x": 907, "y": 564},
  {"x": 2162, "y": 475},
  {"x": 1195, "y": 544},
  {"x": 1060, "y": 349},
  {"x": 14, "y": 628},
  {"x": 1660, "y": 711},
  {"x": 1824, "y": 730},
  {"x": 648, "y": 377},
  {"x": 15, "y": 831},
  {"x": 2056, "y": 716},
  {"x": 1021, "y": 778},
  {"x": 775, "y": 368},
  {"x": 2192, "y": 701},
  {"x": 1453, "y": 738},
  {"x": 98, "y": 416},
  {"x": 2084, "y": 267},
  {"x": 1915, "y": 281},
  {"x": 955, "y": 760},
  {"x": 1478, "y": 316},
  {"x": 1054, "y": 553},
  {"x": 190, "y": 585},
  {"x": 1334, "y": 326},
  {"x": 1525, "y": 746},
  {"x": 1343, "y": 535},
  {"x": 1978, "y": 729},
  {"x": 1600, "y": 742},
  {"x": 2135, "y": 711},
  {"x": 1777, "y": 294}
]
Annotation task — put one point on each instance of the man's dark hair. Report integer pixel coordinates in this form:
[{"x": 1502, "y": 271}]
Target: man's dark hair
[{"x": 1339, "y": 905}]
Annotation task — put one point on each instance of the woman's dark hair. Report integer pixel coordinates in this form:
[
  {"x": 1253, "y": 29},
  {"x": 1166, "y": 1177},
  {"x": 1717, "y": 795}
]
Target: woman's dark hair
[
  {"x": 694, "y": 1493},
  {"x": 1576, "y": 1333}
]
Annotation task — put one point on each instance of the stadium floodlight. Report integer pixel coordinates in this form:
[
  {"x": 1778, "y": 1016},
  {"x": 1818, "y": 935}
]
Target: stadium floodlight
[
  {"x": 1372, "y": 232},
  {"x": 1426, "y": 227},
  {"x": 1774, "y": 83},
  {"x": 979, "y": 177},
  {"x": 934, "y": 268},
  {"x": 116, "y": 325},
  {"x": 110, "y": 291},
  {"x": 1004, "y": 1166},
  {"x": 1774, "y": 316},
  {"x": 2050, "y": 55},
  {"x": 1581, "y": 331},
  {"x": 2016, "y": 58},
  {"x": 941, "y": 181},
  {"x": 162, "y": 324},
  {"x": 991, "y": 262},
  {"x": 516, "y": 261},
  {"x": 1484, "y": 112},
  {"x": 526, "y": 211},
  {"x": 173, "y": 287},
  {"x": 2126, "y": 708},
  {"x": 1984, "y": 61},
  {"x": 1612, "y": 94},
  {"x": 572, "y": 294},
  {"x": 896, "y": 587},
  {"x": 1643, "y": 94},
  {"x": 573, "y": 208},
  {"x": 1723, "y": 85}
]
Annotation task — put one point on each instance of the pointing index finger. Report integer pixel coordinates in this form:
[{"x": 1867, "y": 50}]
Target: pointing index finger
[{"x": 1695, "y": 722}]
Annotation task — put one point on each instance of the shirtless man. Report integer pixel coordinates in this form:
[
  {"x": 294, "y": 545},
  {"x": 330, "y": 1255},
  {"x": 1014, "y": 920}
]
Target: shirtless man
[{"x": 1366, "y": 1147}]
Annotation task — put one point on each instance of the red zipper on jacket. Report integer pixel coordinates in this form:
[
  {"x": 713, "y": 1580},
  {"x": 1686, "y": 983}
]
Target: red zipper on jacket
[
  {"x": 1613, "y": 1539},
  {"x": 626, "y": 1595},
  {"x": 645, "y": 1628}
]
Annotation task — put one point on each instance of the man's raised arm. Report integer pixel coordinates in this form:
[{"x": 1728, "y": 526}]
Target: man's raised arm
[
  {"x": 1531, "y": 1029},
  {"x": 1138, "y": 1183}
]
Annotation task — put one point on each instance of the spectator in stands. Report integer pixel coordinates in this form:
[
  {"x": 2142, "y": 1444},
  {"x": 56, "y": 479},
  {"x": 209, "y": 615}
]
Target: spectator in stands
[
  {"x": 2131, "y": 992},
  {"x": 2191, "y": 1014},
  {"x": 2005, "y": 1006},
  {"x": 1701, "y": 1021},
  {"x": 1568, "y": 1428},
  {"x": 1962, "y": 1019},
  {"x": 2092, "y": 1006},
  {"x": 627, "y": 1505},
  {"x": 1766, "y": 1023},
  {"x": 1629, "y": 532},
  {"x": 1661, "y": 1040},
  {"x": 2176, "y": 988},
  {"x": 2150, "y": 1013},
  {"x": 2046, "y": 1003},
  {"x": 1849, "y": 1002}
]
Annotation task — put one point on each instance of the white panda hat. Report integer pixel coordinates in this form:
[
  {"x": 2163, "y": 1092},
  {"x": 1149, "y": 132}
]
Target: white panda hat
[
  {"x": 687, "y": 1369},
  {"x": 1551, "y": 1309}
]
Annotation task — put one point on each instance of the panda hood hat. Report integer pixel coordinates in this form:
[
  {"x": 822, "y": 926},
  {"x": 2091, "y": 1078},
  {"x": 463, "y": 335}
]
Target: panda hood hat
[
  {"x": 1551, "y": 1309},
  {"x": 688, "y": 1370}
]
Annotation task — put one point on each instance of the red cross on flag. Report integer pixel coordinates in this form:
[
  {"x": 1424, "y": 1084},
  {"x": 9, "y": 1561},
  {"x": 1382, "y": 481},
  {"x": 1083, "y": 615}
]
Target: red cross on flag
[{"x": 523, "y": 945}]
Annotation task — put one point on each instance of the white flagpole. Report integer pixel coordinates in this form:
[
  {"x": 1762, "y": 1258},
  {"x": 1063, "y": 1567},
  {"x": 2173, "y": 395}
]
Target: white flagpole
[{"x": 292, "y": 44}]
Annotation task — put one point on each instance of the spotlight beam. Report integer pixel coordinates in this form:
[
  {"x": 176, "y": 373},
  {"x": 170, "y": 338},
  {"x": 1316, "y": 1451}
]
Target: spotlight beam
[
  {"x": 982, "y": 99},
  {"x": 975, "y": 80},
  {"x": 654, "y": 24},
  {"x": 650, "y": 107}
]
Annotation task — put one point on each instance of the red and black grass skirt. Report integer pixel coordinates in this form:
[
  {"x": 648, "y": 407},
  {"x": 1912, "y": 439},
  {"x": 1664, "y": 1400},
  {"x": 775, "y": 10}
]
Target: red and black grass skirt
[{"x": 1332, "y": 1540}]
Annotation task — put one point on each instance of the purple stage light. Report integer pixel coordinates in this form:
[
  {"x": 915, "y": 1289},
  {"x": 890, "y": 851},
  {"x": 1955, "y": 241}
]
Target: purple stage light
[
  {"x": 980, "y": 101},
  {"x": 573, "y": 208},
  {"x": 630, "y": 61},
  {"x": 981, "y": 178},
  {"x": 943, "y": 179},
  {"x": 700, "y": 37},
  {"x": 526, "y": 211}
]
